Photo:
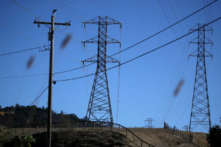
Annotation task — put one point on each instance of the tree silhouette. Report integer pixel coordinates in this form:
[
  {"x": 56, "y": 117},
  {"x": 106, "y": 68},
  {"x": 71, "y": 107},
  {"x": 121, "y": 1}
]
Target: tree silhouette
[{"x": 214, "y": 136}]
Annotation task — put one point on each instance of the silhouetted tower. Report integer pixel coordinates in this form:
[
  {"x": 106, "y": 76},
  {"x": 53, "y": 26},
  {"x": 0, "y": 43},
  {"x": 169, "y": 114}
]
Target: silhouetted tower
[
  {"x": 186, "y": 127},
  {"x": 99, "y": 107},
  {"x": 149, "y": 122},
  {"x": 220, "y": 121},
  {"x": 200, "y": 111}
]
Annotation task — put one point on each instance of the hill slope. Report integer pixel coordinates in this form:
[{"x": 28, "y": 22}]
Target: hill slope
[{"x": 165, "y": 137}]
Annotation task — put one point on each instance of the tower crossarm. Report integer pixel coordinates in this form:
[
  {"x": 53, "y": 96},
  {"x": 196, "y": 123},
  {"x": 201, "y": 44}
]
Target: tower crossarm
[
  {"x": 202, "y": 28},
  {"x": 93, "y": 59},
  {"x": 95, "y": 40},
  {"x": 106, "y": 20},
  {"x": 195, "y": 41}
]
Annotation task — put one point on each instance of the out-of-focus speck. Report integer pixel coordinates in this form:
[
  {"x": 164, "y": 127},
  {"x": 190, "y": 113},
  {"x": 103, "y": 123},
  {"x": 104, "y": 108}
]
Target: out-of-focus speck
[
  {"x": 178, "y": 88},
  {"x": 30, "y": 62},
  {"x": 66, "y": 41}
]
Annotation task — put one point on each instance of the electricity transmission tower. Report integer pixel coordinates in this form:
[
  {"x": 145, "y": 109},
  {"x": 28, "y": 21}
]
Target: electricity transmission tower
[
  {"x": 99, "y": 107},
  {"x": 149, "y": 122},
  {"x": 200, "y": 110},
  {"x": 186, "y": 127}
]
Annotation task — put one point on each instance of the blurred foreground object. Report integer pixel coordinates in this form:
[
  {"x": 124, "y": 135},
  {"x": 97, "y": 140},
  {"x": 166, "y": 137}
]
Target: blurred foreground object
[
  {"x": 30, "y": 62},
  {"x": 214, "y": 136},
  {"x": 66, "y": 41},
  {"x": 178, "y": 88}
]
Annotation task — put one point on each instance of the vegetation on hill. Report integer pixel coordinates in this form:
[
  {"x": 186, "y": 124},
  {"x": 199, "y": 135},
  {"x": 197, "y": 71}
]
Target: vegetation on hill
[
  {"x": 31, "y": 115},
  {"x": 67, "y": 138},
  {"x": 214, "y": 136}
]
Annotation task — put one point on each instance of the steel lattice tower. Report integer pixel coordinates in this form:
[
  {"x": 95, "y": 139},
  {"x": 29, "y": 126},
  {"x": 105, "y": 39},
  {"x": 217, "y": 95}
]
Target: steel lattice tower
[
  {"x": 150, "y": 123},
  {"x": 99, "y": 107},
  {"x": 200, "y": 110}
]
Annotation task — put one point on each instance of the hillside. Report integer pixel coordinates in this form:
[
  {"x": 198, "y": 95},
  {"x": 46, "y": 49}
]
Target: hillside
[
  {"x": 165, "y": 138},
  {"x": 30, "y": 115}
]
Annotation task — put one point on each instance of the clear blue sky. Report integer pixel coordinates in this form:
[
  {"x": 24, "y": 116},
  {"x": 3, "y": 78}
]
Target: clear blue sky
[{"x": 147, "y": 84}]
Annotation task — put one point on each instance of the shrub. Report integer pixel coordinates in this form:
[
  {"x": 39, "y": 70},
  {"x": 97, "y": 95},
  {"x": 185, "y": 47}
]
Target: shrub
[{"x": 214, "y": 136}]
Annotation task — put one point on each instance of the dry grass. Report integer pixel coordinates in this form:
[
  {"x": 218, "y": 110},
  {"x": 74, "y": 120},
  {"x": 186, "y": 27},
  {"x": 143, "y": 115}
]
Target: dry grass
[{"x": 165, "y": 137}]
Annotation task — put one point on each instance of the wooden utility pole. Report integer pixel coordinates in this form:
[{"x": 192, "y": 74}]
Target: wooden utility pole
[{"x": 50, "y": 84}]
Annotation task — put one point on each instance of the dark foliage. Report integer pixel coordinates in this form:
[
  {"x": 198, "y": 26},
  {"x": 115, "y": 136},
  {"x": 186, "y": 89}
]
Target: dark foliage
[
  {"x": 214, "y": 136},
  {"x": 77, "y": 139},
  {"x": 31, "y": 115}
]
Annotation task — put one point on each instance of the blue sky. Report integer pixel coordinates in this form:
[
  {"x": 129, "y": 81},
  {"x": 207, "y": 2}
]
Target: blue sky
[{"x": 147, "y": 84}]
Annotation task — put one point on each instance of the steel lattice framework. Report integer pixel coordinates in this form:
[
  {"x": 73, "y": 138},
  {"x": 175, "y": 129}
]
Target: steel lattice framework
[
  {"x": 200, "y": 111},
  {"x": 99, "y": 107},
  {"x": 149, "y": 122}
]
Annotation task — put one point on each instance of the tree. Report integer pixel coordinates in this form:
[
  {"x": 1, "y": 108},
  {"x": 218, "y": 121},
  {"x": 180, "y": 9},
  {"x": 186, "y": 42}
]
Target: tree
[
  {"x": 24, "y": 141},
  {"x": 214, "y": 136},
  {"x": 4, "y": 137},
  {"x": 62, "y": 112}
]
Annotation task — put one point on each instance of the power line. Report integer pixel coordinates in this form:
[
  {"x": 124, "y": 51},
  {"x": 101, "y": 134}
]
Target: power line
[
  {"x": 175, "y": 15},
  {"x": 73, "y": 16},
  {"x": 169, "y": 23},
  {"x": 182, "y": 13},
  {"x": 177, "y": 65},
  {"x": 72, "y": 10},
  {"x": 101, "y": 7},
  {"x": 38, "y": 97},
  {"x": 185, "y": 100},
  {"x": 27, "y": 10},
  {"x": 165, "y": 28},
  {"x": 62, "y": 8},
  {"x": 144, "y": 53},
  {"x": 96, "y": 8},
  {"x": 36, "y": 17},
  {"x": 22, "y": 51},
  {"x": 47, "y": 73},
  {"x": 135, "y": 43},
  {"x": 20, "y": 34}
]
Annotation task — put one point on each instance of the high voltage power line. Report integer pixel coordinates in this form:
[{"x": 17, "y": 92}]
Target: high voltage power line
[
  {"x": 170, "y": 23},
  {"x": 143, "y": 53},
  {"x": 181, "y": 54},
  {"x": 20, "y": 34},
  {"x": 127, "y": 47},
  {"x": 23, "y": 50}
]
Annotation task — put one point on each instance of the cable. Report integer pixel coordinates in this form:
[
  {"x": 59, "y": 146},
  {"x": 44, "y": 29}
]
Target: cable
[
  {"x": 143, "y": 53},
  {"x": 62, "y": 8},
  {"x": 118, "y": 93},
  {"x": 38, "y": 97},
  {"x": 169, "y": 23},
  {"x": 21, "y": 51},
  {"x": 205, "y": 11},
  {"x": 101, "y": 7},
  {"x": 141, "y": 40},
  {"x": 95, "y": 9},
  {"x": 182, "y": 13},
  {"x": 177, "y": 66},
  {"x": 34, "y": 16},
  {"x": 185, "y": 99},
  {"x": 47, "y": 73},
  {"x": 27, "y": 11},
  {"x": 165, "y": 28},
  {"x": 175, "y": 16},
  {"x": 20, "y": 34},
  {"x": 72, "y": 10}
]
